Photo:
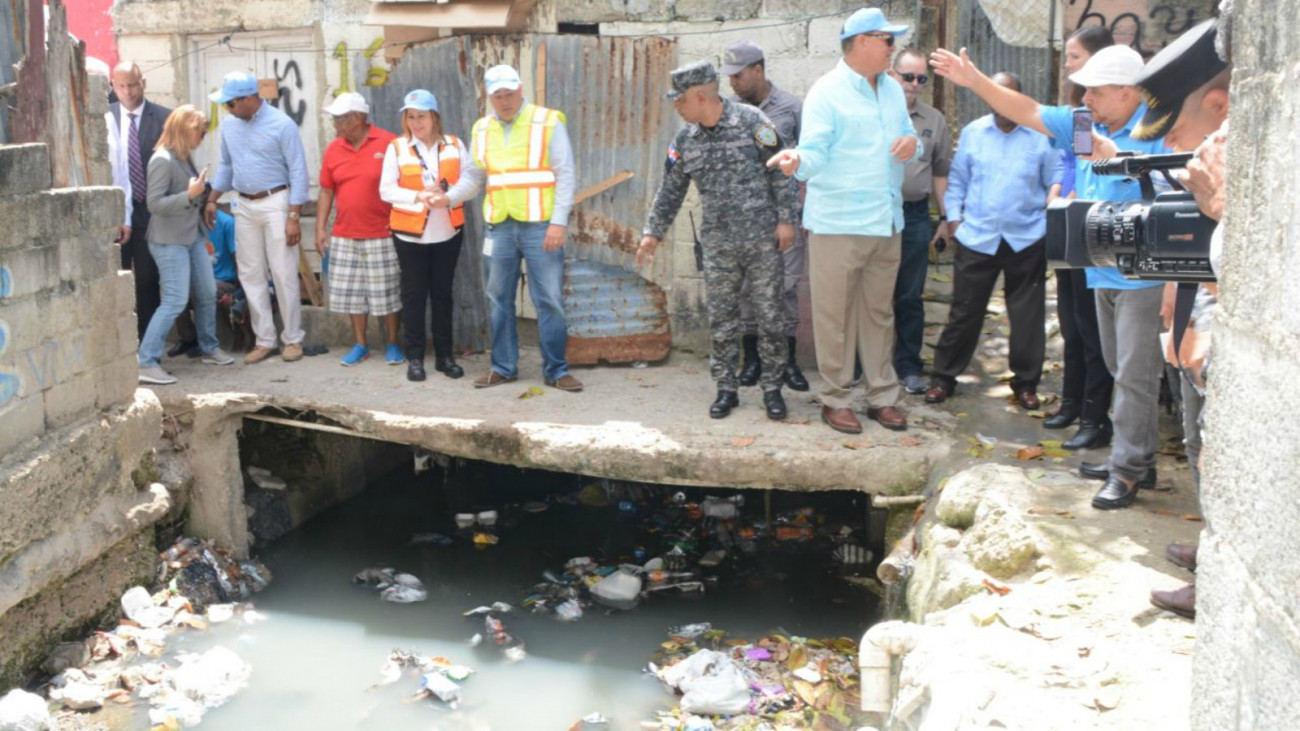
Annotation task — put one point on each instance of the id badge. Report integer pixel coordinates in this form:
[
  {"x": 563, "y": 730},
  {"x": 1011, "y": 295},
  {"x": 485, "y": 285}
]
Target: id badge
[{"x": 487, "y": 245}]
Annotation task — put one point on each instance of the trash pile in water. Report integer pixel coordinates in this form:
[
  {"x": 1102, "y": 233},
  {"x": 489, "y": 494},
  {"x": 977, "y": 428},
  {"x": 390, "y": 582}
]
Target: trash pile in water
[
  {"x": 394, "y": 586},
  {"x": 200, "y": 586},
  {"x": 777, "y": 681},
  {"x": 439, "y": 677}
]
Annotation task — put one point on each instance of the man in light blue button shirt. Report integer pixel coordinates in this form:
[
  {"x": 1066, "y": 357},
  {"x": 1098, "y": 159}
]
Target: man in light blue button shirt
[
  {"x": 1128, "y": 311},
  {"x": 855, "y": 137},
  {"x": 263, "y": 162},
  {"x": 997, "y": 190}
]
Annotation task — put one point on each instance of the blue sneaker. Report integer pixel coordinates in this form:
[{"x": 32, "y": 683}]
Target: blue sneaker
[
  {"x": 394, "y": 355},
  {"x": 358, "y": 353}
]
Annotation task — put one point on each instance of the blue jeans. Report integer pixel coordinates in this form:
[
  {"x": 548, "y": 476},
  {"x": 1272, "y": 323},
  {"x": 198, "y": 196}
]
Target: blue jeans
[
  {"x": 180, "y": 268},
  {"x": 909, "y": 309},
  {"x": 505, "y": 245}
]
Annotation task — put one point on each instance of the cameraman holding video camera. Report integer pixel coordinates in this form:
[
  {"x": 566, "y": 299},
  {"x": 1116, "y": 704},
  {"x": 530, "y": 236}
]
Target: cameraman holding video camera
[
  {"x": 1187, "y": 87},
  {"x": 1128, "y": 311}
]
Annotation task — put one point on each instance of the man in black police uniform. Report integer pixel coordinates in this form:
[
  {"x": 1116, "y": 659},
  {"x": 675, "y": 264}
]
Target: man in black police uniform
[{"x": 1186, "y": 85}]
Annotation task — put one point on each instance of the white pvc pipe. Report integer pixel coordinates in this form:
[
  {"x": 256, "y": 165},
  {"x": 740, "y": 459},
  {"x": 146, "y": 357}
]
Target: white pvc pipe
[{"x": 878, "y": 646}]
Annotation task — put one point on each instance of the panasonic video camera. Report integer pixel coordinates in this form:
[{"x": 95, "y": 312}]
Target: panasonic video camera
[{"x": 1161, "y": 237}]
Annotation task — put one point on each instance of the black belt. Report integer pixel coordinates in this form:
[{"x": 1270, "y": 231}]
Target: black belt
[{"x": 263, "y": 194}]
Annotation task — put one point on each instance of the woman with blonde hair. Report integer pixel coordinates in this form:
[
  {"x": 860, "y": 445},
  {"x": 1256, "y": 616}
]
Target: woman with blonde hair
[
  {"x": 419, "y": 167},
  {"x": 176, "y": 237}
]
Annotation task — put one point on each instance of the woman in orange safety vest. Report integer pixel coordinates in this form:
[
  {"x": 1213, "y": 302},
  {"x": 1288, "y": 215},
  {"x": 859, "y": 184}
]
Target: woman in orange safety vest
[{"x": 419, "y": 165}]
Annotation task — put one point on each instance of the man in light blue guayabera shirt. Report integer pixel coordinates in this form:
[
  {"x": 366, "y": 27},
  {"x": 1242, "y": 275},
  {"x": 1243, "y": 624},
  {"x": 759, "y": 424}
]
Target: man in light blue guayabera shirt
[{"x": 855, "y": 137}]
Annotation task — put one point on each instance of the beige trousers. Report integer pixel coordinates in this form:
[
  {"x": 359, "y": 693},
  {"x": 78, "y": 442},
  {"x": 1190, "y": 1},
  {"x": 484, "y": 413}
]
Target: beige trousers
[{"x": 852, "y": 281}]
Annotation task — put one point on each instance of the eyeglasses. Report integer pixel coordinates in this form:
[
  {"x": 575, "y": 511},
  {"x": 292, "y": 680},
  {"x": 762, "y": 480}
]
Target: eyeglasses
[
  {"x": 231, "y": 104},
  {"x": 918, "y": 78},
  {"x": 888, "y": 38}
]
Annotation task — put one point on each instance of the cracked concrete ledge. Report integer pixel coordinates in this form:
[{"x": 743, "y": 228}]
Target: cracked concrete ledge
[{"x": 646, "y": 425}]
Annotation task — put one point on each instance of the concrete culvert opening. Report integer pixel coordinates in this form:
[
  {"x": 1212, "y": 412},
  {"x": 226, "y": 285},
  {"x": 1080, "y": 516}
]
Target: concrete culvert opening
[{"x": 763, "y": 568}]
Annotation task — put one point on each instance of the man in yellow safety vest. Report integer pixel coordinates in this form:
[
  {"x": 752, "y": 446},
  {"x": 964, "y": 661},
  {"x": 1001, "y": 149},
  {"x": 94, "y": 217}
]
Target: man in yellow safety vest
[{"x": 522, "y": 152}]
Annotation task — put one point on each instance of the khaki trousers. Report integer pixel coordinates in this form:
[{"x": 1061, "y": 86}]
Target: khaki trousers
[{"x": 852, "y": 281}]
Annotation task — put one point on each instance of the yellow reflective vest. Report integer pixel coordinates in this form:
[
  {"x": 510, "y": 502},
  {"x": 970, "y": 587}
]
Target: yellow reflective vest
[{"x": 520, "y": 182}]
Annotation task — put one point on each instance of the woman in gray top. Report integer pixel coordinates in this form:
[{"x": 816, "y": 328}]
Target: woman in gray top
[{"x": 176, "y": 239}]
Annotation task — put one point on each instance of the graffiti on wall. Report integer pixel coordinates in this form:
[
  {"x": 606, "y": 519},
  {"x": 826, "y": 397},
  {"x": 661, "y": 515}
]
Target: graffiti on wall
[
  {"x": 9, "y": 382},
  {"x": 1147, "y": 25},
  {"x": 285, "y": 99},
  {"x": 375, "y": 75}
]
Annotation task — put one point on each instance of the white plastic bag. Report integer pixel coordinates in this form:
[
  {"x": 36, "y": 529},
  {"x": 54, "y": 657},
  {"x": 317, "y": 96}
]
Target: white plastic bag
[{"x": 619, "y": 589}]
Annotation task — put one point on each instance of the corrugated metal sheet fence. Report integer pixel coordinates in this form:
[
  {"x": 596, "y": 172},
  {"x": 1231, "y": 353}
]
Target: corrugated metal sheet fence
[
  {"x": 992, "y": 53},
  {"x": 610, "y": 90}
]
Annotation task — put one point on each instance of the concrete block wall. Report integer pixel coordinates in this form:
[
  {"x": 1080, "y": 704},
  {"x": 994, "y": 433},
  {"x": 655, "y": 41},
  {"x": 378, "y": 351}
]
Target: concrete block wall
[
  {"x": 1246, "y": 672},
  {"x": 67, "y": 328}
]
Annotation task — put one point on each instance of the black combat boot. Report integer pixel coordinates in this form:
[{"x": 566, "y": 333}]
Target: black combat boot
[
  {"x": 727, "y": 400},
  {"x": 792, "y": 376},
  {"x": 774, "y": 404},
  {"x": 752, "y": 368},
  {"x": 448, "y": 367}
]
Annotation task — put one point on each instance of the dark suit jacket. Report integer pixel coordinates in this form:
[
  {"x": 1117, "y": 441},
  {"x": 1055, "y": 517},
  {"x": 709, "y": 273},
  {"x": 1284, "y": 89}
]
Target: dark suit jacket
[{"x": 152, "y": 117}]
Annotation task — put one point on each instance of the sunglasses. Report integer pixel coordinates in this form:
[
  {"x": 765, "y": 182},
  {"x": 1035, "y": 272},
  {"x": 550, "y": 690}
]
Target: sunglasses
[
  {"x": 918, "y": 78},
  {"x": 231, "y": 104},
  {"x": 888, "y": 38}
]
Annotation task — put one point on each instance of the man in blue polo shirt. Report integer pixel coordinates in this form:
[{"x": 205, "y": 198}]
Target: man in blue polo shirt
[{"x": 1128, "y": 311}]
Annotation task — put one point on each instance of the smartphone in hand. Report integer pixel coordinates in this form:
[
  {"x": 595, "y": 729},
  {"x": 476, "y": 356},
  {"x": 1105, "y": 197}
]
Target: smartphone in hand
[{"x": 1082, "y": 132}]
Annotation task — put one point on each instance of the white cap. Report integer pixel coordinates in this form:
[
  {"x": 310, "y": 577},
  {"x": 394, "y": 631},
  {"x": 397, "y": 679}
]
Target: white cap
[
  {"x": 501, "y": 77},
  {"x": 347, "y": 102},
  {"x": 1111, "y": 66}
]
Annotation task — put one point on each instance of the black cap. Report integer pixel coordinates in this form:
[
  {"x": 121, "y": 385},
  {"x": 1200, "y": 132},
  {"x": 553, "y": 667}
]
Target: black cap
[{"x": 1170, "y": 76}]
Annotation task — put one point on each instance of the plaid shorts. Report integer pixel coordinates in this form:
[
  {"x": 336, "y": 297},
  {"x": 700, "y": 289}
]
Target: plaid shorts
[{"x": 364, "y": 278}]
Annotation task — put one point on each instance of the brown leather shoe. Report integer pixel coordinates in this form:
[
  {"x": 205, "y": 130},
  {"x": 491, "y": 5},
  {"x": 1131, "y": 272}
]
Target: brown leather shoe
[
  {"x": 1182, "y": 554},
  {"x": 841, "y": 420},
  {"x": 1179, "y": 601},
  {"x": 491, "y": 379},
  {"x": 936, "y": 395},
  {"x": 566, "y": 383},
  {"x": 1028, "y": 400},
  {"x": 889, "y": 417},
  {"x": 257, "y": 355},
  {"x": 291, "y": 352}
]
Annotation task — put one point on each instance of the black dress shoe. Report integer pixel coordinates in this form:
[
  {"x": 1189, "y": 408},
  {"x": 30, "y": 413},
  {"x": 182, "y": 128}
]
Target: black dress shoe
[
  {"x": 415, "y": 370},
  {"x": 774, "y": 404},
  {"x": 751, "y": 367},
  {"x": 1091, "y": 435},
  {"x": 1101, "y": 471},
  {"x": 791, "y": 375},
  {"x": 726, "y": 401},
  {"x": 1064, "y": 416},
  {"x": 447, "y": 366},
  {"x": 1114, "y": 495}
]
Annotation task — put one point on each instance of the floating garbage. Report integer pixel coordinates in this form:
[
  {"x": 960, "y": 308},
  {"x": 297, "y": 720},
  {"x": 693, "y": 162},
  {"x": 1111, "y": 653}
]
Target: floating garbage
[
  {"x": 374, "y": 576},
  {"x": 441, "y": 687},
  {"x": 402, "y": 594},
  {"x": 569, "y": 611},
  {"x": 499, "y": 607},
  {"x": 435, "y": 539},
  {"x": 205, "y": 575},
  {"x": 618, "y": 590}
]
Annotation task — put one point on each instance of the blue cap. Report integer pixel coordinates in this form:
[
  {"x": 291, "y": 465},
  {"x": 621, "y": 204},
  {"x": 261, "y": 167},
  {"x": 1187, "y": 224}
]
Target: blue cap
[
  {"x": 236, "y": 84},
  {"x": 870, "y": 20},
  {"x": 419, "y": 99}
]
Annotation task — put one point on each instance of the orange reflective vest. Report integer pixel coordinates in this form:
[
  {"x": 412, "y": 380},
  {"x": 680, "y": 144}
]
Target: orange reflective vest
[
  {"x": 520, "y": 182},
  {"x": 410, "y": 218}
]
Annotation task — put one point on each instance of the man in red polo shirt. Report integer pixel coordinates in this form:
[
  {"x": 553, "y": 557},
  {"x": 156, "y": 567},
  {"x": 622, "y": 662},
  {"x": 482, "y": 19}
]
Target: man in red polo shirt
[{"x": 364, "y": 278}]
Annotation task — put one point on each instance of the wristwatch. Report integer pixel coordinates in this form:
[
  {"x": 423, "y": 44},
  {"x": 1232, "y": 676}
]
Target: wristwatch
[{"x": 294, "y": 215}]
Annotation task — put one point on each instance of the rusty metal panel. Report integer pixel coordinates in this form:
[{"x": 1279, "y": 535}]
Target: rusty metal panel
[
  {"x": 611, "y": 92},
  {"x": 11, "y": 51},
  {"x": 613, "y": 315},
  {"x": 1034, "y": 65}
]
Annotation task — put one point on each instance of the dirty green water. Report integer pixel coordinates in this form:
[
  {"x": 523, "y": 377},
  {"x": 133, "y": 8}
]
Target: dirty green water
[{"x": 324, "y": 638}]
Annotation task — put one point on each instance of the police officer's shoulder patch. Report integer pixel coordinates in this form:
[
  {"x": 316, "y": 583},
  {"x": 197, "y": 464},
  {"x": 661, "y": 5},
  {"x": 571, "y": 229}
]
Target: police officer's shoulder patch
[
  {"x": 672, "y": 156},
  {"x": 766, "y": 135}
]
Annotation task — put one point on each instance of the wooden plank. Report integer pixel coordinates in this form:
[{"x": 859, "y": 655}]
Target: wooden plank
[
  {"x": 309, "y": 282},
  {"x": 540, "y": 77},
  {"x": 604, "y": 185}
]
